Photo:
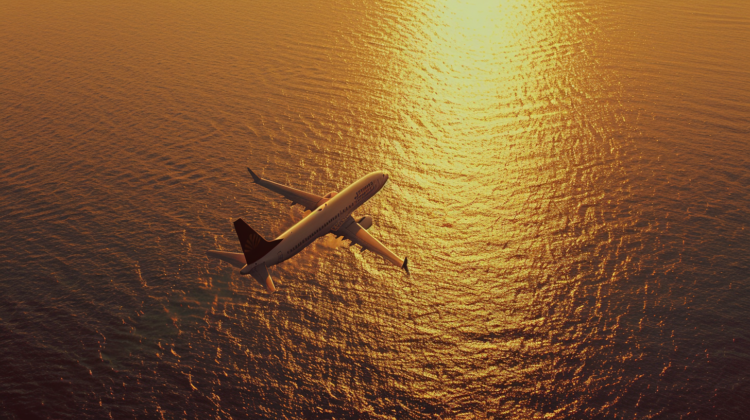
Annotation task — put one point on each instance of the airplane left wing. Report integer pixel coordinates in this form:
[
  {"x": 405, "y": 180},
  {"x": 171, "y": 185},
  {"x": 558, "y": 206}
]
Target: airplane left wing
[
  {"x": 308, "y": 200},
  {"x": 354, "y": 232}
]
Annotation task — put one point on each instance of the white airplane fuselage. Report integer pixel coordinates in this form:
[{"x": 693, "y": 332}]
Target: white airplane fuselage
[{"x": 321, "y": 221}]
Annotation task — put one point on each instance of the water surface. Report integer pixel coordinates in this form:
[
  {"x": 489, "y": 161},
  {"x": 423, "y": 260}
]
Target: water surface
[{"x": 568, "y": 179}]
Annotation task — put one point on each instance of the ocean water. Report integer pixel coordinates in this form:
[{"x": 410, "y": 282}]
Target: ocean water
[{"x": 569, "y": 180}]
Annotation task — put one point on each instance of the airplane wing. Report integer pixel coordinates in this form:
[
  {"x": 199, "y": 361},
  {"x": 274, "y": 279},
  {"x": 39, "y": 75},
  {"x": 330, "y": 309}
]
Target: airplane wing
[
  {"x": 354, "y": 232},
  {"x": 310, "y": 201}
]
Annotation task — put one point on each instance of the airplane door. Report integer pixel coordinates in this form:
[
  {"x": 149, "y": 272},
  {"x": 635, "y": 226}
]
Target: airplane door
[{"x": 281, "y": 258}]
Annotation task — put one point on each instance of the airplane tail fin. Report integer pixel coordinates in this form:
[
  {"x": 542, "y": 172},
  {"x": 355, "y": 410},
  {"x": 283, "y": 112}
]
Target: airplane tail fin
[{"x": 253, "y": 245}]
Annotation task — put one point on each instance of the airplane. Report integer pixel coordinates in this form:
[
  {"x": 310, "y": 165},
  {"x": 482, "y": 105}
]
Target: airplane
[{"x": 332, "y": 213}]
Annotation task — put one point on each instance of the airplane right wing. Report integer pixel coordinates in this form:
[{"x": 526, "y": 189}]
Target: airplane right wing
[
  {"x": 354, "y": 232},
  {"x": 310, "y": 201}
]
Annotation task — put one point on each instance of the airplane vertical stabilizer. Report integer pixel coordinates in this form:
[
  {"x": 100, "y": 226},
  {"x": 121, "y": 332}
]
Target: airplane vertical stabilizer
[{"x": 253, "y": 245}]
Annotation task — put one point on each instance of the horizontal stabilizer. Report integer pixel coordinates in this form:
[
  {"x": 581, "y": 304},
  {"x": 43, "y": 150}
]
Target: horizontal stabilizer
[
  {"x": 262, "y": 276},
  {"x": 235, "y": 258}
]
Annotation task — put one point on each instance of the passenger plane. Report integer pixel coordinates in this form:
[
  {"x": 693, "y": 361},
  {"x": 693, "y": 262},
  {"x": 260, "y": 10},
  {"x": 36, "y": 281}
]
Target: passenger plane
[{"x": 331, "y": 213}]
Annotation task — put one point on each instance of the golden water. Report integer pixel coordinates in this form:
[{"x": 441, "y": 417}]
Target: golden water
[{"x": 568, "y": 179}]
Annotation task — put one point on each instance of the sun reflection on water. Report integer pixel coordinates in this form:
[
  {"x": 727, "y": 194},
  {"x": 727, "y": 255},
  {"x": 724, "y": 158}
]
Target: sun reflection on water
[{"x": 489, "y": 130}]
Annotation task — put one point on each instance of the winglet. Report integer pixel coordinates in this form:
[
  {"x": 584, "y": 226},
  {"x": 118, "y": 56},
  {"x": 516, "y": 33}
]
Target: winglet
[
  {"x": 405, "y": 266},
  {"x": 256, "y": 178}
]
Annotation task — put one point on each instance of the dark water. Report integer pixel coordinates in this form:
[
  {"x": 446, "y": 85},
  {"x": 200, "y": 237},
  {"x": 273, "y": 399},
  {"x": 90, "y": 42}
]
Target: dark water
[{"x": 568, "y": 179}]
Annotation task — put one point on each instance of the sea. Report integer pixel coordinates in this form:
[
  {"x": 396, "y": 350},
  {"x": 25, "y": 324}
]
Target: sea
[{"x": 568, "y": 178}]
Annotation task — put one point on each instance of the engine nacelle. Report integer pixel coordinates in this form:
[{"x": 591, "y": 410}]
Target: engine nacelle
[{"x": 365, "y": 222}]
